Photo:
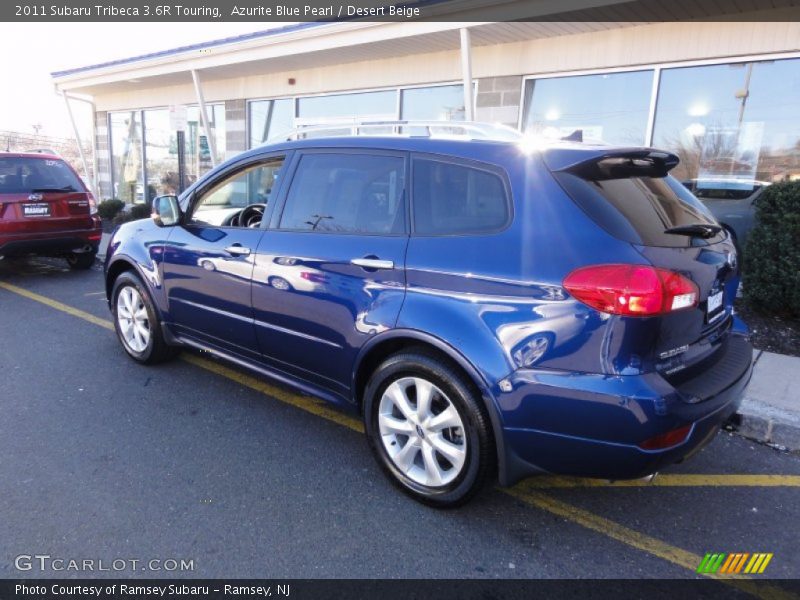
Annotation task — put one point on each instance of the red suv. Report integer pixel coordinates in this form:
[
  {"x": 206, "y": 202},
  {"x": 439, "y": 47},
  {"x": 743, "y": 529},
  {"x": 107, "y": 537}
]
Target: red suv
[{"x": 46, "y": 209}]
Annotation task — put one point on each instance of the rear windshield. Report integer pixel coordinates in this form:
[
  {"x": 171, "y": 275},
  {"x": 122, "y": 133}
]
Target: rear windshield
[
  {"x": 23, "y": 175},
  {"x": 639, "y": 209}
]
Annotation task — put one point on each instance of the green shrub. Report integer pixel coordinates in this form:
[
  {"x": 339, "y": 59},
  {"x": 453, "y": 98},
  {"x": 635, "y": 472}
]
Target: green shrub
[
  {"x": 108, "y": 209},
  {"x": 136, "y": 212},
  {"x": 771, "y": 277}
]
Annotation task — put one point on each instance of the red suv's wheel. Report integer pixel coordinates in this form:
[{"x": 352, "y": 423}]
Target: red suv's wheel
[{"x": 81, "y": 261}]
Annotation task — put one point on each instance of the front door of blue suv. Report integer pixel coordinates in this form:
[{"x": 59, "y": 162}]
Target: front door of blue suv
[{"x": 329, "y": 273}]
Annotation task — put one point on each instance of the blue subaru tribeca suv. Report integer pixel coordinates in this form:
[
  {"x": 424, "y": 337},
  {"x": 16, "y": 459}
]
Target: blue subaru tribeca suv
[{"x": 492, "y": 308}]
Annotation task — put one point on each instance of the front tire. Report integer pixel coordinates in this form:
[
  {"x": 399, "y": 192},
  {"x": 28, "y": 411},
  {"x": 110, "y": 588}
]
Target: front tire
[
  {"x": 136, "y": 321},
  {"x": 428, "y": 429},
  {"x": 81, "y": 260}
]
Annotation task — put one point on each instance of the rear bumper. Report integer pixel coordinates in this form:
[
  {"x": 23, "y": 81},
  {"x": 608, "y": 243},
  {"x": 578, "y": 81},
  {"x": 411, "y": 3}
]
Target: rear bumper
[
  {"x": 591, "y": 425},
  {"x": 57, "y": 242}
]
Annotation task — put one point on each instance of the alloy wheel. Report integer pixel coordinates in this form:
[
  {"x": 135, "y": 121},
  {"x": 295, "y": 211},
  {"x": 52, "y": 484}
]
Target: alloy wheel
[
  {"x": 422, "y": 432},
  {"x": 133, "y": 320}
]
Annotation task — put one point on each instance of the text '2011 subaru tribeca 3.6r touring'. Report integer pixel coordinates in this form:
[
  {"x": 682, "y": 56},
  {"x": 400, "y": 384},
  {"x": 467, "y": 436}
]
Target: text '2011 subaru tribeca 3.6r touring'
[{"x": 489, "y": 307}]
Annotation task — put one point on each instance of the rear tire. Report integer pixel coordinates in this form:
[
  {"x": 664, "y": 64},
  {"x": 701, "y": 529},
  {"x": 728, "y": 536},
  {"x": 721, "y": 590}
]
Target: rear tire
[
  {"x": 81, "y": 261},
  {"x": 136, "y": 321},
  {"x": 428, "y": 429}
]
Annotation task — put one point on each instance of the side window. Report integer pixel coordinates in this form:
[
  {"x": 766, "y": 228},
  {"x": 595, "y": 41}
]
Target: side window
[
  {"x": 457, "y": 199},
  {"x": 221, "y": 204},
  {"x": 347, "y": 193}
]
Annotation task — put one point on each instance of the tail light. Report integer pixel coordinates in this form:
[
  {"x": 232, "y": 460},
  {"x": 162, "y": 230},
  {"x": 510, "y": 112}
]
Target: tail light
[
  {"x": 92, "y": 205},
  {"x": 668, "y": 439},
  {"x": 632, "y": 290}
]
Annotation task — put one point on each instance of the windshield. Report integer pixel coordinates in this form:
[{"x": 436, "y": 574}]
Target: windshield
[{"x": 23, "y": 175}]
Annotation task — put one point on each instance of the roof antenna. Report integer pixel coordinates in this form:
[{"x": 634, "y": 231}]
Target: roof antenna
[{"x": 575, "y": 136}]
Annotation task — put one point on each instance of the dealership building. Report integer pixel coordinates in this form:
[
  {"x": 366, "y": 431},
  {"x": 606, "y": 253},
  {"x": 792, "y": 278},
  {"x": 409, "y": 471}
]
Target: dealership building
[{"x": 721, "y": 89}]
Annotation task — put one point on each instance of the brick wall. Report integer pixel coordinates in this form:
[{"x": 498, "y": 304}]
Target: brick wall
[
  {"x": 103, "y": 155},
  {"x": 235, "y": 127},
  {"x": 498, "y": 100}
]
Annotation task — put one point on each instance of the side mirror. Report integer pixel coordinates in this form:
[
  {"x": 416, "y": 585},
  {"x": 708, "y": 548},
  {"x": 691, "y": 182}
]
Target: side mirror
[{"x": 166, "y": 211}]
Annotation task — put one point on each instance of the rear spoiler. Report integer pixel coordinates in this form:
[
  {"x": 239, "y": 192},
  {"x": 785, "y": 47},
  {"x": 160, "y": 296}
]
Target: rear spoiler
[{"x": 604, "y": 163}]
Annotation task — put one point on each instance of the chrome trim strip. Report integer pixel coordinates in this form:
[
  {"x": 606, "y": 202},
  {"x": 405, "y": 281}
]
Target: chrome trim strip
[
  {"x": 218, "y": 311},
  {"x": 299, "y": 334},
  {"x": 225, "y": 313}
]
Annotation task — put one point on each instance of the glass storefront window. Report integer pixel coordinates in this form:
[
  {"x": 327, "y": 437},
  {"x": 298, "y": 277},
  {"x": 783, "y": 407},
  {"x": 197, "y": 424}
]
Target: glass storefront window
[
  {"x": 731, "y": 124},
  {"x": 161, "y": 148},
  {"x": 126, "y": 156},
  {"x": 440, "y": 103},
  {"x": 270, "y": 118},
  {"x": 197, "y": 149},
  {"x": 612, "y": 107},
  {"x": 347, "y": 107},
  {"x": 161, "y": 154}
]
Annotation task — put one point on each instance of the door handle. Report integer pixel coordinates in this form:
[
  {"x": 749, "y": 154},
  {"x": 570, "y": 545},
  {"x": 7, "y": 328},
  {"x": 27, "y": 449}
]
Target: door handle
[
  {"x": 237, "y": 250},
  {"x": 372, "y": 263}
]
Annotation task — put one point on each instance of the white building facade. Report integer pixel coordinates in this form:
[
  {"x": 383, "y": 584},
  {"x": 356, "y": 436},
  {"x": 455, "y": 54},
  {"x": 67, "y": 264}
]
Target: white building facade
[{"x": 724, "y": 94}]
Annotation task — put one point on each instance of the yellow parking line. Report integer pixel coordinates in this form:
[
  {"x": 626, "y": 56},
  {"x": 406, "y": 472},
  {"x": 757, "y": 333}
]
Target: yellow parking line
[
  {"x": 314, "y": 406},
  {"x": 75, "y": 312},
  {"x": 607, "y": 527},
  {"x": 526, "y": 491},
  {"x": 641, "y": 541},
  {"x": 668, "y": 480},
  {"x": 306, "y": 403}
]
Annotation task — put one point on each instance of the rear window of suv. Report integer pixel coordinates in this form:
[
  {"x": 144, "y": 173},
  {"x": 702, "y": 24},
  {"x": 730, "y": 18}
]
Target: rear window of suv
[
  {"x": 639, "y": 209},
  {"x": 23, "y": 175}
]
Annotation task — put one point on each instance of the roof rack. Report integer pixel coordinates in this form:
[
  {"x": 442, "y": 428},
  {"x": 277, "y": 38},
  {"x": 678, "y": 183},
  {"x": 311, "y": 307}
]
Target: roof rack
[{"x": 470, "y": 130}]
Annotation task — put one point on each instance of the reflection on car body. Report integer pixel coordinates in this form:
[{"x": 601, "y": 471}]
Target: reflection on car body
[{"x": 731, "y": 201}]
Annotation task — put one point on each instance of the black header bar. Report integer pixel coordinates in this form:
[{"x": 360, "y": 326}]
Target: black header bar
[
  {"x": 299, "y": 589},
  {"x": 265, "y": 11}
]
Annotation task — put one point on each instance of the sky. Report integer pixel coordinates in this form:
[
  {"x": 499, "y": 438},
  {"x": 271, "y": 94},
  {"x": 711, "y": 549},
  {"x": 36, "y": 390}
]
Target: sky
[{"x": 31, "y": 51}]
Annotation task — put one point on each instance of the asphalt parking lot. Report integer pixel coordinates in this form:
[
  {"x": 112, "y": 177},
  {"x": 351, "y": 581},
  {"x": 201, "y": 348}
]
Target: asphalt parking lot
[{"x": 101, "y": 458}]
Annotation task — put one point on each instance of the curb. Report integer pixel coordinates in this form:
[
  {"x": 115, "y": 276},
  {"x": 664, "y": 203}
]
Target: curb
[
  {"x": 763, "y": 423},
  {"x": 103, "y": 247},
  {"x": 760, "y": 417}
]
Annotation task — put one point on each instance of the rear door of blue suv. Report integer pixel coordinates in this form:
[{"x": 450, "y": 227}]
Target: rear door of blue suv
[{"x": 487, "y": 307}]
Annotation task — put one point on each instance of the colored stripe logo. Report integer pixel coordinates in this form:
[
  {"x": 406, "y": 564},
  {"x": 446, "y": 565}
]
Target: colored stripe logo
[{"x": 739, "y": 562}]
